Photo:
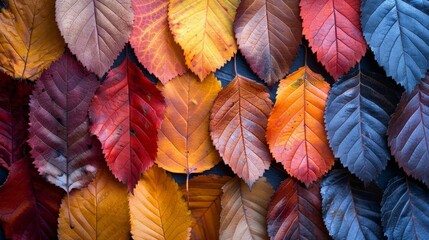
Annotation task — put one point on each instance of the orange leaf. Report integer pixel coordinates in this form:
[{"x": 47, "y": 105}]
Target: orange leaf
[
  {"x": 29, "y": 39},
  {"x": 204, "y": 29},
  {"x": 184, "y": 142},
  {"x": 296, "y": 133},
  {"x": 238, "y": 122},
  {"x": 152, "y": 40}
]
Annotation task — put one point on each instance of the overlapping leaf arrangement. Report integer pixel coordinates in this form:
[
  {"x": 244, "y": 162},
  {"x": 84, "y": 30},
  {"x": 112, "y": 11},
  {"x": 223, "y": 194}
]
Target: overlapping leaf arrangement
[{"x": 93, "y": 121}]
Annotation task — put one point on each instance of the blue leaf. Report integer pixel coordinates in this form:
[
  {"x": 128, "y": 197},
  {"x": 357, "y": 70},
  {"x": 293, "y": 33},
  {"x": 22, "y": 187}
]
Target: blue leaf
[{"x": 398, "y": 34}]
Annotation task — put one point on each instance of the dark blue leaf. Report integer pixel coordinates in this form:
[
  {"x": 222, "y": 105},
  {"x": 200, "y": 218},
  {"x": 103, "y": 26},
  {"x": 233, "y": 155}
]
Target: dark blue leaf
[
  {"x": 356, "y": 118},
  {"x": 398, "y": 34},
  {"x": 405, "y": 209},
  {"x": 350, "y": 210}
]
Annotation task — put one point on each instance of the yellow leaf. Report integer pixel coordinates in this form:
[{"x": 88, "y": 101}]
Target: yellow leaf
[
  {"x": 99, "y": 211},
  {"x": 204, "y": 29},
  {"x": 243, "y": 211},
  {"x": 157, "y": 208},
  {"x": 184, "y": 141},
  {"x": 30, "y": 40}
]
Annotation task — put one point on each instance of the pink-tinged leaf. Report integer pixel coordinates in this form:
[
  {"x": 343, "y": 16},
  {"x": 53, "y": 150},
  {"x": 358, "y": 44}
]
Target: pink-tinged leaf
[
  {"x": 14, "y": 97},
  {"x": 333, "y": 30},
  {"x": 126, "y": 113},
  {"x": 153, "y": 42},
  {"x": 62, "y": 148}
]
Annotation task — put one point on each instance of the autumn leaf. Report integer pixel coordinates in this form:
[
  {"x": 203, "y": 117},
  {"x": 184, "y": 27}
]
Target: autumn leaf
[
  {"x": 14, "y": 98},
  {"x": 334, "y": 32},
  {"x": 268, "y": 34},
  {"x": 184, "y": 144},
  {"x": 126, "y": 113},
  {"x": 63, "y": 151},
  {"x": 204, "y": 196},
  {"x": 398, "y": 34},
  {"x": 30, "y": 40},
  {"x": 295, "y": 212},
  {"x": 243, "y": 211},
  {"x": 157, "y": 208},
  {"x": 405, "y": 212},
  {"x": 204, "y": 30},
  {"x": 238, "y": 121},
  {"x": 98, "y": 211},
  {"x": 28, "y": 204},
  {"x": 95, "y": 30},
  {"x": 350, "y": 209},
  {"x": 356, "y": 117},
  {"x": 153, "y": 42},
  {"x": 296, "y": 133},
  {"x": 408, "y": 132}
]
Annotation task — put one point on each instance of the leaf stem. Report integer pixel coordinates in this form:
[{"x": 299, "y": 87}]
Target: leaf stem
[{"x": 68, "y": 209}]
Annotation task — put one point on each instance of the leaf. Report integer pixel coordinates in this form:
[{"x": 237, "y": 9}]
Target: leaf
[
  {"x": 205, "y": 192},
  {"x": 157, "y": 208},
  {"x": 333, "y": 31},
  {"x": 398, "y": 34},
  {"x": 30, "y": 40},
  {"x": 295, "y": 132},
  {"x": 238, "y": 121},
  {"x": 356, "y": 117},
  {"x": 126, "y": 113},
  {"x": 350, "y": 210},
  {"x": 408, "y": 132},
  {"x": 295, "y": 212},
  {"x": 28, "y": 204},
  {"x": 98, "y": 211},
  {"x": 184, "y": 144},
  {"x": 95, "y": 30},
  {"x": 268, "y": 34},
  {"x": 14, "y": 97},
  {"x": 405, "y": 214},
  {"x": 204, "y": 29},
  {"x": 244, "y": 211},
  {"x": 153, "y": 42},
  {"x": 63, "y": 151}
]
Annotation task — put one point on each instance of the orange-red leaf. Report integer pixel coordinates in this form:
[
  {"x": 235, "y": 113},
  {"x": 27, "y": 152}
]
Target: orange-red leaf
[
  {"x": 296, "y": 133},
  {"x": 238, "y": 122},
  {"x": 333, "y": 30},
  {"x": 152, "y": 40},
  {"x": 126, "y": 113},
  {"x": 184, "y": 140}
]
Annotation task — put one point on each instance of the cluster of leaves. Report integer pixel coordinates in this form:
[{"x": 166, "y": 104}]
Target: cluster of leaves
[{"x": 110, "y": 133}]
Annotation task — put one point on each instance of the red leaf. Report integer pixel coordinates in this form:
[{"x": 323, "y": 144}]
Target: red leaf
[
  {"x": 333, "y": 30},
  {"x": 62, "y": 148},
  {"x": 125, "y": 114},
  {"x": 14, "y": 97},
  {"x": 29, "y": 205}
]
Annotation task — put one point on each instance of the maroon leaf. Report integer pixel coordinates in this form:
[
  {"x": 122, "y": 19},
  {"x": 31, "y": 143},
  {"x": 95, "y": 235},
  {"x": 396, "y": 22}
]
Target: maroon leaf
[{"x": 125, "y": 114}]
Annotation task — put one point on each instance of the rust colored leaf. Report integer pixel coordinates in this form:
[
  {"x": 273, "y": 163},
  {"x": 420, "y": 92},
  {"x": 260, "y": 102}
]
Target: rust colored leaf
[
  {"x": 238, "y": 121},
  {"x": 29, "y": 39},
  {"x": 296, "y": 131},
  {"x": 204, "y": 29},
  {"x": 126, "y": 113},
  {"x": 333, "y": 30},
  {"x": 268, "y": 33},
  {"x": 184, "y": 141},
  {"x": 95, "y": 30},
  {"x": 204, "y": 202},
  {"x": 153, "y": 42},
  {"x": 295, "y": 212}
]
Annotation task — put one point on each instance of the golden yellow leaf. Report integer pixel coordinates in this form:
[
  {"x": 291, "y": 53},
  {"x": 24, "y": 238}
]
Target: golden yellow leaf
[
  {"x": 204, "y": 29},
  {"x": 29, "y": 38},
  {"x": 243, "y": 211},
  {"x": 99, "y": 211},
  {"x": 157, "y": 208},
  {"x": 184, "y": 141}
]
